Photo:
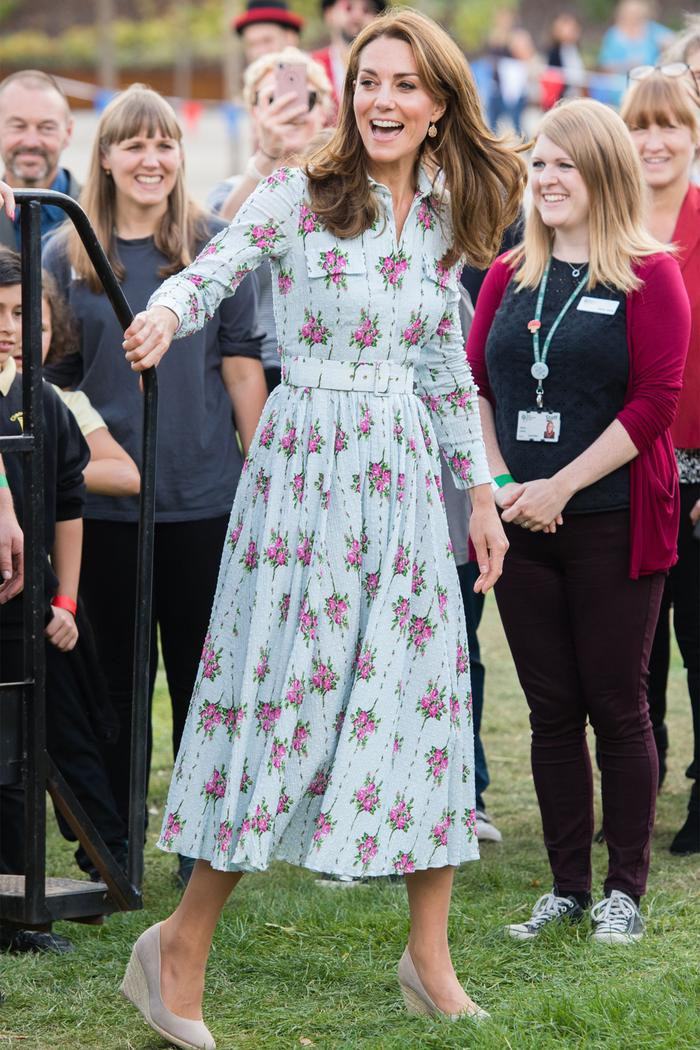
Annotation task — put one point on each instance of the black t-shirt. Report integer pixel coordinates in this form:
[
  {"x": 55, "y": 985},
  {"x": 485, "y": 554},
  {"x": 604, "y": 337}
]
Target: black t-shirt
[
  {"x": 199, "y": 462},
  {"x": 588, "y": 364}
]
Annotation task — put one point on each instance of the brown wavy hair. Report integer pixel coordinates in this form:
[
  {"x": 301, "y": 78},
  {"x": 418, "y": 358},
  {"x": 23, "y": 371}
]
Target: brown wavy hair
[
  {"x": 183, "y": 227},
  {"x": 64, "y": 334},
  {"x": 482, "y": 177}
]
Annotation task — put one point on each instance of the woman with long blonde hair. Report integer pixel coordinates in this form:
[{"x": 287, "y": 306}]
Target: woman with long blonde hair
[
  {"x": 577, "y": 345},
  {"x": 331, "y": 725},
  {"x": 137, "y": 201}
]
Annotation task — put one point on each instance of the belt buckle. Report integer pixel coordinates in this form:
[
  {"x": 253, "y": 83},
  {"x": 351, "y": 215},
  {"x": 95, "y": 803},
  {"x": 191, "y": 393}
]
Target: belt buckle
[{"x": 382, "y": 377}]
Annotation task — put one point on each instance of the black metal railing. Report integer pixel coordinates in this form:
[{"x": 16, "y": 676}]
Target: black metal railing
[{"x": 35, "y": 906}]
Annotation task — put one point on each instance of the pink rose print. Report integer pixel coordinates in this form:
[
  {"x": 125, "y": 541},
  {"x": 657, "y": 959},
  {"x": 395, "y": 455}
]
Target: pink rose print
[
  {"x": 334, "y": 263},
  {"x": 364, "y": 726},
  {"x": 366, "y": 798},
  {"x": 336, "y": 608},
  {"x": 319, "y": 783},
  {"x": 355, "y": 549},
  {"x": 197, "y": 280},
  {"x": 233, "y": 720},
  {"x": 355, "y": 483},
  {"x": 224, "y": 836},
  {"x": 174, "y": 826},
  {"x": 323, "y": 679},
  {"x": 246, "y": 779},
  {"x": 440, "y": 830},
  {"x": 442, "y": 275},
  {"x": 400, "y": 815},
  {"x": 417, "y": 578},
  {"x": 367, "y": 847},
  {"x": 444, "y": 326},
  {"x": 462, "y": 663},
  {"x": 211, "y": 249},
  {"x": 288, "y": 441},
  {"x": 210, "y": 716},
  {"x": 437, "y": 763},
  {"x": 341, "y": 440},
  {"x": 278, "y": 754},
  {"x": 432, "y": 702},
  {"x": 455, "y": 709},
  {"x": 316, "y": 442},
  {"x": 322, "y": 829},
  {"x": 304, "y": 548},
  {"x": 402, "y": 614},
  {"x": 215, "y": 787},
  {"x": 262, "y": 668},
  {"x": 235, "y": 534},
  {"x": 340, "y": 720},
  {"x": 296, "y": 687},
  {"x": 264, "y": 236},
  {"x": 281, "y": 175},
  {"x": 267, "y": 715},
  {"x": 308, "y": 621},
  {"x": 300, "y": 736},
  {"x": 371, "y": 585},
  {"x": 210, "y": 660},
  {"x": 414, "y": 334},
  {"x": 427, "y": 437},
  {"x": 469, "y": 821},
  {"x": 308, "y": 220},
  {"x": 461, "y": 466},
  {"x": 379, "y": 477},
  {"x": 420, "y": 631},
  {"x": 283, "y": 606},
  {"x": 313, "y": 332},
  {"x": 297, "y": 489},
  {"x": 398, "y": 428},
  {"x": 397, "y": 745},
  {"x": 433, "y": 403},
  {"x": 364, "y": 427},
  {"x": 243, "y": 830},
  {"x": 364, "y": 663},
  {"x": 441, "y": 593},
  {"x": 425, "y": 215},
  {"x": 400, "y": 487},
  {"x": 325, "y": 494},
  {"x": 438, "y": 485},
  {"x": 469, "y": 706},
  {"x": 261, "y": 822},
  {"x": 392, "y": 269},
  {"x": 249, "y": 560},
  {"x": 404, "y": 863},
  {"x": 366, "y": 335},
  {"x": 267, "y": 433},
  {"x": 402, "y": 559},
  {"x": 277, "y": 551},
  {"x": 460, "y": 399},
  {"x": 284, "y": 802},
  {"x": 285, "y": 282}
]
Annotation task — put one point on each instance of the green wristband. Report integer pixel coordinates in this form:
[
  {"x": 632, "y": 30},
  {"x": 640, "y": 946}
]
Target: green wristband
[
  {"x": 504, "y": 479},
  {"x": 4, "y": 483}
]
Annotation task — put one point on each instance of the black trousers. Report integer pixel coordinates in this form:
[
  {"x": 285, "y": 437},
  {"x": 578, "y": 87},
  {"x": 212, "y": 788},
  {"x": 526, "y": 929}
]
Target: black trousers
[
  {"x": 682, "y": 592},
  {"x": 72, "y": 743},
  {"x": 185, "y": 570}
]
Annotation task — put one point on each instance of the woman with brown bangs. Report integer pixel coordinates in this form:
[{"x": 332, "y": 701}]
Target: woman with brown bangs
[
  {"x": 331, "y": 722},
  {"x": 578, "y": 344},
  {"x": 137, "y": 201},
  {"x": 663, "y": 116}
]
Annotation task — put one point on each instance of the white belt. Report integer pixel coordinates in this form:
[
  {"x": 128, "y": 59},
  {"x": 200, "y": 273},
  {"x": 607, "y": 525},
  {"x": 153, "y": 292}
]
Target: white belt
[{"x": 382, "y": 377}]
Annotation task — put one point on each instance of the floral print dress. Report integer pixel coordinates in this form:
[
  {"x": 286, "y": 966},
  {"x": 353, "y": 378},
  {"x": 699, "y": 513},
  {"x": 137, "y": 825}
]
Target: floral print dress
[{"x": 330, "y": 724}]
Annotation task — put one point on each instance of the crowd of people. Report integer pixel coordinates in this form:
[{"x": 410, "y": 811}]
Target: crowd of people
[{"x": 324, "y": 673}]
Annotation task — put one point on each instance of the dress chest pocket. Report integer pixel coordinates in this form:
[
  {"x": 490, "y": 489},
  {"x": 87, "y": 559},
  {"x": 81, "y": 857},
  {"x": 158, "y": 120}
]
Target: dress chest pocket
[{"x": 333, "y": 266}]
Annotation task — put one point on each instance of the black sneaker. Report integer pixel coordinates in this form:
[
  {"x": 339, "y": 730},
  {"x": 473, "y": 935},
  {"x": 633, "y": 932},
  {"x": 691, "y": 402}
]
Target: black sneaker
[
  {"x": 548, "y": 909},
  {"x": 616, "y": 920},
  {"x": 687, "y": 840},
  {"x": 20, "y": 941}
]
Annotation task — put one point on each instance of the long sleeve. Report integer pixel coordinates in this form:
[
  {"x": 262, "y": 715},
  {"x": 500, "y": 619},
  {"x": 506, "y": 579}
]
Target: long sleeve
[
  {"x": 263, "y": 228},
  {"x": 445, "y": 385},
  {"x": 487, "y": 304}
]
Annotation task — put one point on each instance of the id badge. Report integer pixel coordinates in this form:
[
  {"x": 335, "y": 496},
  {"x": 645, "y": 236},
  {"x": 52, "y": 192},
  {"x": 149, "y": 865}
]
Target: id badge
[{"x": 538, "y": 426}]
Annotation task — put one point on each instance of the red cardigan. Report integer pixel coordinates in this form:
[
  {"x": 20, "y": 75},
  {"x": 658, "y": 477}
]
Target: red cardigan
[
  {"x": 685, "y": 431},
  {"x": 658, "y": 328}
]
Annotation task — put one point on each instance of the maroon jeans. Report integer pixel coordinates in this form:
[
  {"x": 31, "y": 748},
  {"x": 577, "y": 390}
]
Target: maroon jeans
[{"x": 580, "y": 631}]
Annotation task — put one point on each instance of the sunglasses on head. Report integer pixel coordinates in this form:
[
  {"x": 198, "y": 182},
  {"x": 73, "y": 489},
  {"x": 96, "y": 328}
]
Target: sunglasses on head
[
  {"x": 312, "y": 99},
  {"x": 671, "y": 69}
]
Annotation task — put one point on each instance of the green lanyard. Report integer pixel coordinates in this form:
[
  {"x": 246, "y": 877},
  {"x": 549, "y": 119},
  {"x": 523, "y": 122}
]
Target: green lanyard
[{"x": 540, "y": 369}]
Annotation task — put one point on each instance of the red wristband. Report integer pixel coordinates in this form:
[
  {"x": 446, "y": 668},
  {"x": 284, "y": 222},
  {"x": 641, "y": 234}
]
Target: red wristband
[{"x": 62, "y": 601}]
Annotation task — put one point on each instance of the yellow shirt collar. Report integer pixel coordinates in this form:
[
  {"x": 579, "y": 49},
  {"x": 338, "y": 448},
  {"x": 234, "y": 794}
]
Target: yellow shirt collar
[{"x": 7, "y": 376}]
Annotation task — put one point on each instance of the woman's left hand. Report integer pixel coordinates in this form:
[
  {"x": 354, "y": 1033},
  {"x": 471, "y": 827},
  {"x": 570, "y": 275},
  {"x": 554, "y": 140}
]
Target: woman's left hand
[
  {"x": 490, "y": 543},
  {"x": 540, "y": 505}
]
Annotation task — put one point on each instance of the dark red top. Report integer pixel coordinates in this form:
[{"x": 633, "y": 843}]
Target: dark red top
[
  {"x": 658, "y": 329},
  {"x": 685, "y": 431}
]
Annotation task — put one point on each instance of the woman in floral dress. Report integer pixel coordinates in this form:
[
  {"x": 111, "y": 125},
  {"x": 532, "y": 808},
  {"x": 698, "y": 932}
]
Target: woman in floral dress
[{"x": 331, "y": 724}]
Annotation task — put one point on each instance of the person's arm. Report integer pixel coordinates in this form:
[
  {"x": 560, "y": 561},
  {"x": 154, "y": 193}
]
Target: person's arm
[
  {"x": 244, "y": 380},
  {"x": 11, "y": 544},
  {"x": 61, "y": 630},
  {"x": 111, "y": 470}
]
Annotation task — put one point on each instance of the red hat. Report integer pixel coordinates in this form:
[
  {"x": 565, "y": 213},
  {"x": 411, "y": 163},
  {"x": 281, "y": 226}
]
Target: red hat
[{"x": 275, "y": 11}]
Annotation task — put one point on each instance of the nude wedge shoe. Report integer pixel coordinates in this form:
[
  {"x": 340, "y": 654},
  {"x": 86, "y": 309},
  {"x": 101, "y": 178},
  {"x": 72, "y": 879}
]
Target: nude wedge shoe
[
  {"x": 417, "y": 999},
  {"x": 141, "y": 986}
]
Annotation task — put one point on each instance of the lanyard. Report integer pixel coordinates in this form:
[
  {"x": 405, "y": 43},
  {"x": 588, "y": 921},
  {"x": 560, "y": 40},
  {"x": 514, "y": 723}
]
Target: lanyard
[{"x": 540, "y": 369}]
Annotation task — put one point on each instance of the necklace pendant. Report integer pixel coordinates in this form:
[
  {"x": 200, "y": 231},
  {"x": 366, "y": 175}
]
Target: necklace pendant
[
  {"x": 576, "y": 272},
  {"x": 539, "y": 371}
]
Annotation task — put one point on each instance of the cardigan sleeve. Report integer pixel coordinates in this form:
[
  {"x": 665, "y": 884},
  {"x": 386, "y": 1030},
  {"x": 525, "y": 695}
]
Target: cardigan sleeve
[
  {"x": 487, "y": 304},
  {"x": 658, "y": 332}
]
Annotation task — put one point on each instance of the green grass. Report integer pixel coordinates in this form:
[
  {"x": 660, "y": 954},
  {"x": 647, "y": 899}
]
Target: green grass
[{"x": 294, "y": 963}]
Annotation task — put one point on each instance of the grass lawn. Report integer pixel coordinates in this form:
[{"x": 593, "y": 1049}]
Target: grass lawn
[{"x": 296, "y": 965}]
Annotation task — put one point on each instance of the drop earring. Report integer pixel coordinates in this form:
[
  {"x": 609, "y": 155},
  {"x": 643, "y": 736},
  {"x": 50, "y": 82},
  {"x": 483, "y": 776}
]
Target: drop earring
[
  {"x": 432, "y": 131},
  {"x": 107, "y": 171}
]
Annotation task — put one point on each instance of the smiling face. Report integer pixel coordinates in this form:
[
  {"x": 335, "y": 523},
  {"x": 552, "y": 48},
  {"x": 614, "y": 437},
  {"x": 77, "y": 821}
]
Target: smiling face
[
  {"x": 558, "y": 190},
  {"x": 666, "y": 150},
  {"x": 35, "y": 128},
  {"x": 392, "y": 108},
  {"x": 144, "y": 168}
]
